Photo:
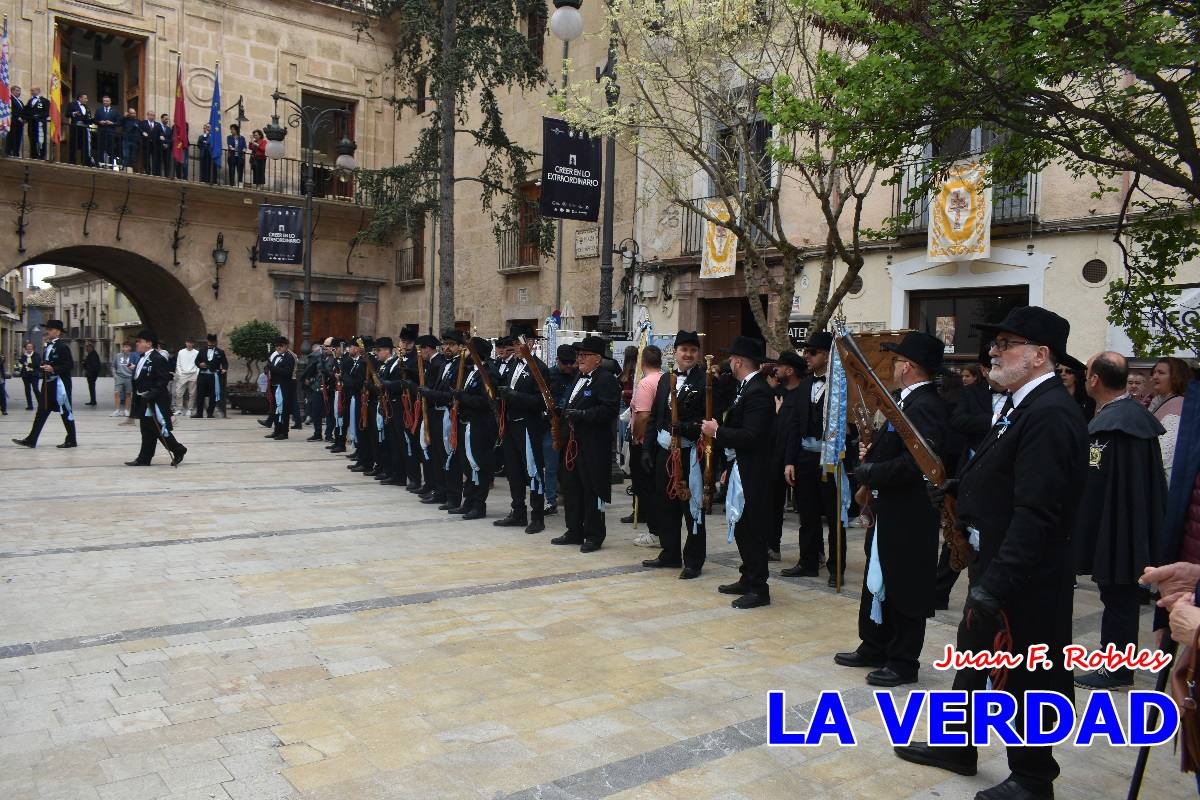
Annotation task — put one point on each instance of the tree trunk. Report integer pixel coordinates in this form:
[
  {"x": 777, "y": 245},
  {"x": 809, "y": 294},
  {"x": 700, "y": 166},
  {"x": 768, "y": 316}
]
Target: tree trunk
[{"x": 446, "y": 116}]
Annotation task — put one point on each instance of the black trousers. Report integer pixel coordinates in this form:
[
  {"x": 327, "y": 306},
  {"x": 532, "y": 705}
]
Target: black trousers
[
  {"x": 585, "y": 520},
  {"x": 752, "y": 547},
  {"x": 31, "y": 390},
  {"x": 946, "y": 578},
  {"x": 316, "y": 410},
  {"x": 152, "y": 433},
  {"x": 91, "y": 379},
  {"x": 816, "y": 499},
  {"x": 368, "y": 439},
  {"x": 39, "y": 421},
  {"x": 779, "y": 492},
  {"x": 475, "y": 488},
  {"x": 673, "y": 515},
  {"x": 454, "y": 473},
  {"x": 3, "y": 395},
  {"x": 516, "y": 471},
  {"x": 15, "y": 134},
  {"x": 897, "y": 640},
  {"x": 236, "y": 170},
  {"x": 279, "y": 414},
  {"x": 206, "y": 394},
  {"x": 37, "y": 139},
  {"x": 642, "y": 482},
  {"x": 258, "y": 171},
  {"x": 81, "y": 145},
  {"x": 414, "y": 456},
  {"x": 1119, "y": 623}
]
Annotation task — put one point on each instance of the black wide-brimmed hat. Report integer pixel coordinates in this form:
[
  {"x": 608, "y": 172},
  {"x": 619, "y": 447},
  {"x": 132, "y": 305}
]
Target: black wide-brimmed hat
[
  {"x": 821, "y": 340},
  {"x": 593, "y": 344},
  {"x": 280, "y": 340},
  {"x": 212, "y": 337},
  {"x": 923, "y": 349},
  {"x": 687, "y": 337},
  {"x": 1039, "y": 326},
  {"x": 566, "y": 353},
  {"x": 407, "y": 334},
  {"x": 505, "y": 341},
  {"x": 453, "y": 335},
  {"x": 482, "y": 347},
  {"x": 753, "y": 349},
  {"x": 790, "y": 358},
  {"x": 385, "y": 341},
  {"x": 518, "y": 329},
  {"x": 428, "y": 340},
  {"x": 146, "y": 335},
  {"x": 54, "y": 323}
]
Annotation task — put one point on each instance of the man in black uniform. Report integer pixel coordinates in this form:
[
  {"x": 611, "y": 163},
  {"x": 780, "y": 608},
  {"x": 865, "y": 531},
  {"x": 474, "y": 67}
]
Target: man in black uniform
[
  {"x": 16, "y": 131},
  {"x": 816, "y": 495},
  {"x": 91, "y": 370},
  {"x": 385, "y": 414},
  {"x": 37, "y": 114},
  {"x": 55, "y": 395},
  {"x": 901, "y": 547},
  {"x": 281, "y": 387},
  {"x": 408, "y": 417},
  {"x": 584, "y": 475},
  {"x": 328, "y": 375},
  {"x": 354, "y": 376},
  {"x": 790, "y": 371},
  {"x": 445, "y": 447},
  {"x": 367, "y": 433},
  {"x": 524, "y": 428},
  {"x": 559, "y": 380},
  {"x": 152, "y": 403},
  {"x": 433, "y": 487},
  {"x": 477, "y": 433},
  {"x": 745, "y": 435},
  {"x": 311, "y": 383},
  {"x": 668, "y": 511},
  {"x": 213, "y": 365},
  {"x": 1017, "y": 501}
]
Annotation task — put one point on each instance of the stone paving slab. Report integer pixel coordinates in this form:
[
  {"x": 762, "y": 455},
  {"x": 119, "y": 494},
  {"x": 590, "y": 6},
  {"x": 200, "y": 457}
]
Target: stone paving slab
[{"x": 261, "y": 624}]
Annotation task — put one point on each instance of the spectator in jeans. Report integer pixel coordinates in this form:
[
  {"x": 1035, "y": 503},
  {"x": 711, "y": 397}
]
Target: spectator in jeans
[
  {"x": 186, "y": 373},
  {"x": 122, "y": 370},
  {"x": 91, "y": 370}
]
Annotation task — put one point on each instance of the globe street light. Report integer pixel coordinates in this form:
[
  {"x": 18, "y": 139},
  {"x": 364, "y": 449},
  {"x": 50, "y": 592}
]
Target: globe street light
[
  {"x": 314, "y": 120},
  {"x": 566, "y": 23}
]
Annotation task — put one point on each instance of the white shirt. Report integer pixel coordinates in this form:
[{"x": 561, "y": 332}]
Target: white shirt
[
  {"x": 185, "y": 362},
  {"x": 583, "y": 381},
  {"x": 142, "y": 362},
  {"x": 818, "y": 387},
  {"x": 1023, "y": 392},
  {"x": 517, "y": 373},
  {"x": 907, "y": 390}
]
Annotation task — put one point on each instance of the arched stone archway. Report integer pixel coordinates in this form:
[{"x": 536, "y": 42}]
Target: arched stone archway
[{"x": 163, "y": 303}]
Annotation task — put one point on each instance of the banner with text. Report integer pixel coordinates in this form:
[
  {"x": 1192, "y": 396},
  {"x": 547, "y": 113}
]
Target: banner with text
[
  {"x": 280, "y": 240},
  {"x": 571, "y": 170}
]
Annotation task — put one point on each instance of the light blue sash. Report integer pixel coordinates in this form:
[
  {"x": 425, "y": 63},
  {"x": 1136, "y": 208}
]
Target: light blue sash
[
  {"x": 217, "y": 386},
  {"x": 471, "y": 455},
  {"x": 337, "y": 410},
  {"x": 280, "y": 411},
  {"x": 536, "y": 485},
  {"x": 64, "y": 402},
  {"x": 353, "y": 429},
  {"x": 695, "y": 477},
  {"x": 379, "y": 423},
  {"x": 735, "y": 501},
  {"x": 163, "y": 428},
  {"x": 447, "y": 424},
  {"x": 875, "y": 579}
]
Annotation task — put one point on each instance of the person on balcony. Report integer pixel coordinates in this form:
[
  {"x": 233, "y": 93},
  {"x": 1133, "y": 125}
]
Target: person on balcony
[
  {"x": 108, "y": 122},
  {"x": 37, "y": 114},
  {"x": 131, "y": 137},
  {"x": 258, "y": 158},
  {"x": 236, "y": 143},
  {"x": 16, "y": 133},
  {"x": 81, "y": 132},
  {"x": 152, "y": 136},
  {"x": 204, "y": 145}
]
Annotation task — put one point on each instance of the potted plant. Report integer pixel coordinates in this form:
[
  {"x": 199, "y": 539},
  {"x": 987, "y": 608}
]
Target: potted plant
[{"x": 252, "y": 342}]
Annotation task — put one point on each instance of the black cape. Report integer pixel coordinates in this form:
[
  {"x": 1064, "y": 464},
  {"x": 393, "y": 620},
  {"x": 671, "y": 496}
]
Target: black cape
[{"x": 1119, "y": 525}]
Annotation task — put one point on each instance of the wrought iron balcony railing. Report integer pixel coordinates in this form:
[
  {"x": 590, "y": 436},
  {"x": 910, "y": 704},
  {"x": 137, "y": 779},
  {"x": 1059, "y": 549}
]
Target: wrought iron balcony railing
[
  {"x": 692, "y": 241},
  {"x": 1012, "y": 204}
]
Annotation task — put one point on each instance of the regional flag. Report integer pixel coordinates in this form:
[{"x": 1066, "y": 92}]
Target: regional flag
[
  {"x": 56, "y": 91},
  {"x": 180, "y": 135},
  {"x": 5, "y": 96},
  {"x": 216, "y": 142}
]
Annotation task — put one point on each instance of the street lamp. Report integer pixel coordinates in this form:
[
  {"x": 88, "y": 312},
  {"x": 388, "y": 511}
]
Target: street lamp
[
  {"x": 219, "y": 256},
  {"x": 313, "y": 120},
  {"x": 570, "y": 25}
]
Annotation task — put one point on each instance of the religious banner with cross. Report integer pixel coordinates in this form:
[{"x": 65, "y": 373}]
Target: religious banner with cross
[{"x": 960, "y": 215}]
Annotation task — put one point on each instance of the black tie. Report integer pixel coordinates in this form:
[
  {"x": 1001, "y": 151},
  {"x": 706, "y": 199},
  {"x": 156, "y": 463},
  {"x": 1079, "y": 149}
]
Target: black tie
[{"x": 1007, "y": 407}]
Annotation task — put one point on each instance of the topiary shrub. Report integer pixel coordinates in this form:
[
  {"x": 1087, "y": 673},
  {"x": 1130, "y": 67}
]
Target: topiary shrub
[{"x": 253, "y": 342}]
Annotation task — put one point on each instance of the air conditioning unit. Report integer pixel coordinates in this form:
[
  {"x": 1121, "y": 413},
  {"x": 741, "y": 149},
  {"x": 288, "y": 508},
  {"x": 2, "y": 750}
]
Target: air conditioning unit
[{"x": 648, "y": 285}]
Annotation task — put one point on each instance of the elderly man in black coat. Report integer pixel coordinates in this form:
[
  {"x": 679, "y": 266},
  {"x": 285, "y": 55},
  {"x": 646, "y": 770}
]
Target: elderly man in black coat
[
  {"x": 592, "y": 405},
  {"x": 1018, "y": 498},
  {"x": 902, "y": 545},
  {"x": 152, "y": 402},
  {"x": 55, "y": 395},
  {"x": 281, "y": 387},
  {"x": 745, "y": 436}
]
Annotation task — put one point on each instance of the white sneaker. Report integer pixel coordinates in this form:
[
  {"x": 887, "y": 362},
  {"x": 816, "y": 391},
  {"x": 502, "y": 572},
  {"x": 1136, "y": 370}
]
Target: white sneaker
[
  {"x": 116, "y": 413},
  {"x": 646, "y": 539}
]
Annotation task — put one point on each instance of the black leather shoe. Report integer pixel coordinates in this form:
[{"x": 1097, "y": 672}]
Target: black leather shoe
[
  {"x": 415, "y": 487},
  {"x": 689, "y": 573},
  {"x": 565, "y": 539},
  {"x": 1011, "y": 790},
  {"x": 627, "y": 519},
  {"x": 477, "y": 511},
  {"x": 297, "y": 427},
  {"x": 457, "y": 508},
  {"x": 24, "y": 443},
  {"x": 733, "y": 588},
  {"x": 659, "y": 563},
  {"x": 752, "y": 600},
  {"x": 314, "y": 438},
  {"x": 137, "y": 463},
  {"x": 432, "y": 500},
  {"x": 833, "y": 581},
  {"x": 856, "y": 659},
  {"x": 370, "y": 473},
  {"x": 800, "y": 572},
  {"x": 589, "y": 546},
  {"x": 423, "y": 489},
  {"x": 536, "y": 524},
  {"x": 379, "y": 476},
  {"x": 387, "y": 480},
  {"x": 271, "y": 436},
  {"x": 960, "y": 760},
  {"x": 264, "y": 424},
  {"x": 356, "y": 468},
  {"x": 515, "y": 519},
  {"x": 336, "y": 449},
  {"x": 888, "y": 677},
  {"x": 67, "y": 445},
  {"x": 177, "y": 456},
  {"x": 353, "y": 456}
]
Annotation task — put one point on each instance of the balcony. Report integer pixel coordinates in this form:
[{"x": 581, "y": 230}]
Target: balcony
[
  {"x": 409, "y": 264},
  {"x": 7, "y": 301},
  {"x": 1013, "y": 204},
  {"x": 517, "y": 253},
  {"x": 692, "y": 241}
]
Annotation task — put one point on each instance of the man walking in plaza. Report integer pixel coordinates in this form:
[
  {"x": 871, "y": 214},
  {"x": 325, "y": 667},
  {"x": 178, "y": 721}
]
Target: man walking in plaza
[
  {"x": 91, "y": 370},
  {"x": 55, "y": 396},
  {"x": 281, "y": 375},
  {"x": 152, "y": 403},
  {"x": 186, "y": 373},
  {"x": 122, "y": 370}
]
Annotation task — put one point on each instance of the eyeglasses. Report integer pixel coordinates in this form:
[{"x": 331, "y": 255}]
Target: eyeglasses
[
  {"x": 1004, "y": 344},
  {"x": 1064, "y": 371}
]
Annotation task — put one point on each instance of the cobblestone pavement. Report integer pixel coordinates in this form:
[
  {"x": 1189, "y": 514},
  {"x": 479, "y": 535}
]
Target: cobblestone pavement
[{"x": 262, "y": 624}]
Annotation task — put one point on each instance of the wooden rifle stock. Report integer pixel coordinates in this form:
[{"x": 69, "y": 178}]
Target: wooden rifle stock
[
  {"x": 867, "y": 392},
  {"x": 708, "y": 441},
  {"x": 489, "y": 390},
  {"x": 544, "y": 390},
  {"x": 677, "y": 469},
  {"x": 424, "y": 401}
]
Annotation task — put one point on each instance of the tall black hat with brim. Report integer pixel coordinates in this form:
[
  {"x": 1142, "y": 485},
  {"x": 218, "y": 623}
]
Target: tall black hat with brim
[
  {"x": 790, "y": 358},
  {"x": 566, "y": 353},
  {"x": 593, "y": 344},
  {"x": 428, "y": 340},
  {"x": 146, "y": 335},
  {"x": 1040, "y": 326},
  {"x": 746, "y": 347},
  {"x": 505, "y": 341},
  {"x": 452, "y": 335},
  {"x": 482, "y": 347},
  {"x": 519, "y": 329},
  {"x": 687, "y": 337},
  {"x": 384, "y": 341},
  {"x": 56, "y": 324},
  {"x": 212, "y": 337},
  {"x": 821, "y": 340},
  {"x": 923, "y": 349},
  {"x": 280, "y": 340},
  {"x": 407, "y": 334}
]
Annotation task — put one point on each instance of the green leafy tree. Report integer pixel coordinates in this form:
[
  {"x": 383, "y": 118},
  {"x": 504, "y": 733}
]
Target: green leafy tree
[
  {"x": 1109, "y": 89},
  {"x": 461, "y": 56},
  {"x": 253, "y": 342}
]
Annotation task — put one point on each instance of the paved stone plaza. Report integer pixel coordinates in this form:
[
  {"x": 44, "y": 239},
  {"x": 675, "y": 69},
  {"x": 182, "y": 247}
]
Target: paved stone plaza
[{"x": 262, "y": 624}]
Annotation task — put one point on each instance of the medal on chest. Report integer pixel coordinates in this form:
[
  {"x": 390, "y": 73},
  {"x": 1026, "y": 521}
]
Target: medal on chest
[{"x": 1095, "y": 453}]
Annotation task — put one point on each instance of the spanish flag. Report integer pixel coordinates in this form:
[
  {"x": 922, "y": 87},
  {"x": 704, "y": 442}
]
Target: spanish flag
[
  {"x": 179, "y": 137},
  {"x": 56, "y": 91}
]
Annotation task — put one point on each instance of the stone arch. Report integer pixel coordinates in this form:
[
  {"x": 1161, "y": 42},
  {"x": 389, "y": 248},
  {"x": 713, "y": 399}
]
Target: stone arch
[{"x": 162, "y": 302}]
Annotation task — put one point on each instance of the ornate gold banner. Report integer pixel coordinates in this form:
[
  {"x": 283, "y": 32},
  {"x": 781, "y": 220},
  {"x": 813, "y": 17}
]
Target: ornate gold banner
[
  {"x": 960, "y": 215},
  {"x": 719, "y": 250}
]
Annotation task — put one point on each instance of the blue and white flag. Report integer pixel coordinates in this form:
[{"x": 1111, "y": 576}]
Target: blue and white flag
[
  {"x": 216, "y": 142},
  {"x": 833, "y": 444}
]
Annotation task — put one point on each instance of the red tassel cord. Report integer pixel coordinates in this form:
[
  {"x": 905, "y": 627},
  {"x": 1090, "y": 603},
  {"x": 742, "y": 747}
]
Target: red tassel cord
[{"x": 572, "y": 452}]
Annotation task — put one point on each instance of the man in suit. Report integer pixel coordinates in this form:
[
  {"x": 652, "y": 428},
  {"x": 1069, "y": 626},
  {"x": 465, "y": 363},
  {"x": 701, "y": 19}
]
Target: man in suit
[
  {"x": 281, "y": 387},
  {"x": 330, "y": 379},
  {"x": 816, "y": 495},
  {"x": 745, "y": 436},
  {"x": 130, "y": 133},
  {"x": 213, "y": 365},
  {"x": 16, "y": 130},
  {"x": 91, "y": 370},
  {"x": 439, "y": 384},
  {"x": 310, "y": 383},
  {"x": 37, "y": 114},
  {"x": 410, "y": 458},
  {"x": 81, "y": 131},
  {"x": 433, "y": 479},
  {"x": 592, "y": 405},
  {"x": 152, "y": 145},
  {"x": 901, "y": 547},
  {"x": 152, "y": 402},
  {"x": 668, "y": 511},
  {"x": 1017, "y": 500},
  {"x": 477, "y": 432},
  {"x": 790, "y": 371},
  {"x": 208, "y": 174},
  {"x": 524, "y": 427},
  {"x": 108, "y": 123},
  {"x": 383, "y": 399},
  {"x": 56, "y": 366},
  {"x": 29, "y": 365},
  {"x": 354, "y": 378}
]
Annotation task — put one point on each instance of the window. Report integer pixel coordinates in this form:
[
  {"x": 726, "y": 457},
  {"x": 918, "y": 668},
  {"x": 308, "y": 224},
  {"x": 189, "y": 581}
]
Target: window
[
  {"x": 1095, "y": 271},
  {"x": 535, "y": 31},
  {"x": 325, "y": 140},
  {"x": 420, "y": 90},
  {"x": 952, "y": 314},
  {"x": 520, "y": 245},
  {"x": 735, "y": 158}
]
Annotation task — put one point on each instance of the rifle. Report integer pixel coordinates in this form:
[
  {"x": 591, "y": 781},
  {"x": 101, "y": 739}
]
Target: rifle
[
  {"x": 424, "y": 401},
  {"x": 488, "y": 389},
  {"x": 547, "y": 398},
  {"x": 868, "y": 392},
  {"x": 677, "y": 479},
  {"x": 708, "y": 442},
  {"x": 384, "y": 398},
  {"x": 458, "y": 384}
]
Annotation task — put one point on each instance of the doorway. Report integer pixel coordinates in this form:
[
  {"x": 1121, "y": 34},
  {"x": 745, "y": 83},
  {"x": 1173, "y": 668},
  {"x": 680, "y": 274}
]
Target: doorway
[
  {"x": 951, "y": 315},
  {"x": 726, "y": 318},
  {"x": 96, "y": 62},
  {"x": 328, "y": 319}
]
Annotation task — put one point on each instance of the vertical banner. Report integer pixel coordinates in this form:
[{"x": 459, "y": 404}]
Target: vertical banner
[
  {"x": 280, "y": 240},
  {"x": 56, "y": 90},
  {"x": 960, "y": 215},
  {"x": 719, "y": 251},
  {"x": 216, "y": 142},
  {"x": 5, "y": 97},
  {"x": 571, "y": 169},
  {"x": 179, "y": 134}
]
